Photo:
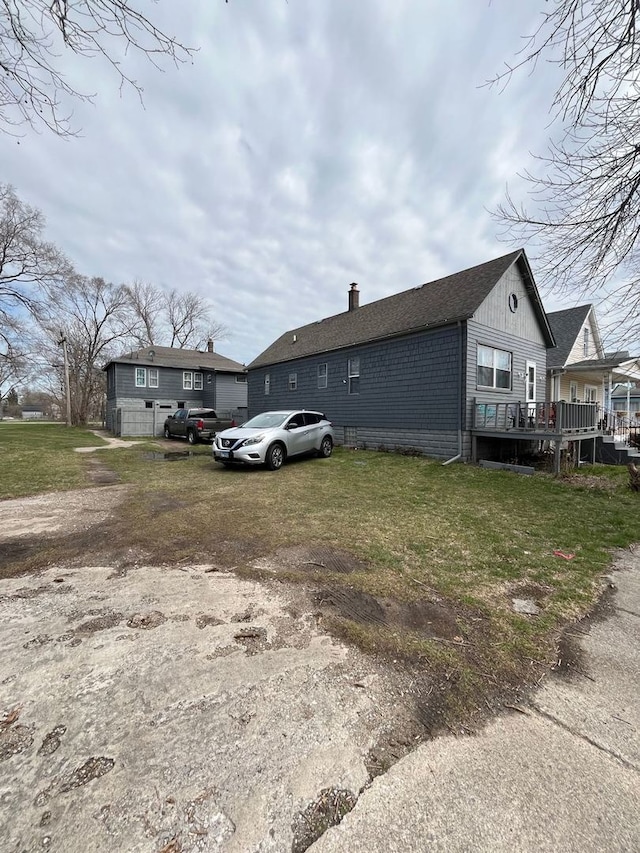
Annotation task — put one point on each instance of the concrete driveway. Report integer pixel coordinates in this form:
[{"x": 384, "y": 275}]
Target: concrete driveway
[{"x": 170, "y": 706}]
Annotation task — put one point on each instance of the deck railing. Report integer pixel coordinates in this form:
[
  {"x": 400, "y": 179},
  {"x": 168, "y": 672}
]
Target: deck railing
[
  {"x": 553, "y": 418},
  {"x": 625, "y": 426}
]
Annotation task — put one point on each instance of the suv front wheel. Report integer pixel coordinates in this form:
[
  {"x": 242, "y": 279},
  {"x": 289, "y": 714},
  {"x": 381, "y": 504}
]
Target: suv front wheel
[{"x": 275, "y": 457}]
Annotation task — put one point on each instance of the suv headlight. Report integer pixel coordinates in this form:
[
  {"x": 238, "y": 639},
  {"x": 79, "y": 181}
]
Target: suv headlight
[{"x": 255, "y": 439}]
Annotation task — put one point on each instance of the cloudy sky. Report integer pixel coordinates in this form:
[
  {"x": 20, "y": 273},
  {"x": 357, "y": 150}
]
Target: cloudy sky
[{"x": 311, "y": 143}]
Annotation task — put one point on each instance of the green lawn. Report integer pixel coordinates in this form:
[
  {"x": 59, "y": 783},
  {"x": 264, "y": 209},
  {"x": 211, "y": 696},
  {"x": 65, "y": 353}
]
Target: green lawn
[
  {"x": 39, "y": 457},
  {"x": 459, "y": 541}
]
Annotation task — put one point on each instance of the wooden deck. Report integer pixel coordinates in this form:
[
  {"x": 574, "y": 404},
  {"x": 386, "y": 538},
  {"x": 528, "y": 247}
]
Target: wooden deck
[{"x": 549, "y": 421}]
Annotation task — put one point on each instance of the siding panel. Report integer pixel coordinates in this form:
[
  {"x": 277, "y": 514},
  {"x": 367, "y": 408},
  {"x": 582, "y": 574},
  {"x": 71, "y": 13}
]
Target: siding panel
[
  {"x": 495, "y": 313},
  {"x": 408, "y": 386},
  {"x": 522, "y": 351}
]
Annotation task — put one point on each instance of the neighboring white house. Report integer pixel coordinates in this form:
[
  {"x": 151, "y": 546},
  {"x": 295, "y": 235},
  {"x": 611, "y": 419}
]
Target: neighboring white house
[{"x": 32, "y": 413}]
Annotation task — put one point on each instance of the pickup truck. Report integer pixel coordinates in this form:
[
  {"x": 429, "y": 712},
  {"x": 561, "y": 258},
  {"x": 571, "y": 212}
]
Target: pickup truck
[{"x": 195, "y": 425}]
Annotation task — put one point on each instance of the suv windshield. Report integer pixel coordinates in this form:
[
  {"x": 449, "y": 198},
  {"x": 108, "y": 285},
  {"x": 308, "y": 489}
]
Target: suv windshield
[{"x": 266, "y": 420}]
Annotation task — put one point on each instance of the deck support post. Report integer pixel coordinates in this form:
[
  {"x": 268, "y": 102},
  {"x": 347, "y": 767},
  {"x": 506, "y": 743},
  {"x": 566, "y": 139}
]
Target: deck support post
[
  {"x": 593, "y": 451},
  {"x": 556, "y": 456},
  {"x": 474, "y": 449}
]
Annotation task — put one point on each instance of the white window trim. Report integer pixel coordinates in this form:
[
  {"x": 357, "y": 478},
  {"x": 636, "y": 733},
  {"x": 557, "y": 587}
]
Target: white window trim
[
  {"x": 154, "y": 377},
  {"x": 293, "y": 382},
  {"x": 197, "y": 382},
  {"x": 187, "y": 380},
  {"x": 585, "y": 341},
  {"x": 531, "y": 388},
  {"x": 143, "y": 371},
  {"x": 573, "y": 392},
  {"x": 494, "y": 350},
  {"x": 267, "y": 383},
  {"x": 589, "y": 388},
  {"x": 323, "y": 378},
  {"x": 353, "y": 371}
]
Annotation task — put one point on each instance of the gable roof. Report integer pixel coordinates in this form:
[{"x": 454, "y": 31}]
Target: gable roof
[
  {"x": 187, "y": 359},
  {"x": 566, "y": 326},
  {"x": 437, "y": 303}
]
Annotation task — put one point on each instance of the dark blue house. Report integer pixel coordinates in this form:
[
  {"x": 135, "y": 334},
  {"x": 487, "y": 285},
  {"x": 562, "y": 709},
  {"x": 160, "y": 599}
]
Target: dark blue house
[
  {"x": 146, "y": 385},
  {"x": 446, "y": 368}
]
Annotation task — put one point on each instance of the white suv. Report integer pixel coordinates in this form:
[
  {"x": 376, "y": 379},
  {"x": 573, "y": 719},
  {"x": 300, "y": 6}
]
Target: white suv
[{"x": 269, "y": 438}]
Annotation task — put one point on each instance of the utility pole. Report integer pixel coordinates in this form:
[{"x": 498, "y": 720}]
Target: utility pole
[{"x": 63, "y": 343}]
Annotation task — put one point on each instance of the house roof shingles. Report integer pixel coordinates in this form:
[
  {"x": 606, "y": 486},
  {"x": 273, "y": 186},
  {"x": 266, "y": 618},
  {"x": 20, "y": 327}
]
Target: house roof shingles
[
  {"x": 566, "y": 326},
  {"x": 154, "y": 356},
  {"x": 437, "y": 303}
]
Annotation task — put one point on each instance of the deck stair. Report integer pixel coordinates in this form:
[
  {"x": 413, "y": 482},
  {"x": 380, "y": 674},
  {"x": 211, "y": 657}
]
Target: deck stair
[{"x": 615, "y": 451}]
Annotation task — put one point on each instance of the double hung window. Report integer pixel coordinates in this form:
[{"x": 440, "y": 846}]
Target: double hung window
[
  {"x": 354, "y": 376},
  {"x": 494, "y": 368}
]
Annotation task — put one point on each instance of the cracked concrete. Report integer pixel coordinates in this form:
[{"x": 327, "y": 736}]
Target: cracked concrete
[
  {"x": 134, "y": 713},
  {"x": 564, "y": 776}
]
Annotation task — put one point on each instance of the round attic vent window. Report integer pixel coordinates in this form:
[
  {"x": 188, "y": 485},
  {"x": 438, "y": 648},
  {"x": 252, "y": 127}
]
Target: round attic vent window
[{"x": 513, "y": 303}]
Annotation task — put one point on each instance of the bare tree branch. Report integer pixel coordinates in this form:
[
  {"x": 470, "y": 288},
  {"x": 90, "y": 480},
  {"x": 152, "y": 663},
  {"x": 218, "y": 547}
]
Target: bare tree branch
[
  {"x": 27, "y": 262},
  {"x": 169, "y": 318},
  {"x": 146, "y": 303},
  {"x": 92, "y": 314},
  {"x": 34, "y": 33},
  {"x": 584, "y": 213}
]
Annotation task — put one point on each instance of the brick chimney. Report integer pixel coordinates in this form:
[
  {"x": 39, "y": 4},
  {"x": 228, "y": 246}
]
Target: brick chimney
[
  {"x": 210, "y": 345},
  {"x": 354, "y": 297}
]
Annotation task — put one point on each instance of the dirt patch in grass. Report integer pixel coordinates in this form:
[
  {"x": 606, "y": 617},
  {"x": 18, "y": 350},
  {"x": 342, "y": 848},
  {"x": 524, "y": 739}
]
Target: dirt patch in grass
[
  {"x": 99, "y": 474},
  {"x": 586, "y": 481},
  {"x": 311, "y": 558},
  {"x": 429, "y": 618}
]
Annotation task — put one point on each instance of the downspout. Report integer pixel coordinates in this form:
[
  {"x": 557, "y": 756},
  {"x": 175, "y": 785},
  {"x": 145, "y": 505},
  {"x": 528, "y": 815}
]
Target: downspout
[{"x": 459, "y": 453}]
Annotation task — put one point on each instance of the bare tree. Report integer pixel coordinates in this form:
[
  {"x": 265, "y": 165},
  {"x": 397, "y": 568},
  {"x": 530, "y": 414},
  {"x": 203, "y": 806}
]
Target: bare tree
[
  {"x": 585, "y": 209},
  {"x": 146, "y": 303},
  {"x": 33, "y": 34},
  {"x": 14, "y": 365},
  {"x": 188, "y": 317},
  {"x": 169, "y": 318},
  {"x": 92, "y": 315},
  {"x": 27, "y": 262}
]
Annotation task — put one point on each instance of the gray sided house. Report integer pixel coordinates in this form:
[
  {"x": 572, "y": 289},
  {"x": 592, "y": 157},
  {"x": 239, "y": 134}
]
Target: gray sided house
[
  {"x": 145, "y": 386},
  {"x": 420, "y": 369}
]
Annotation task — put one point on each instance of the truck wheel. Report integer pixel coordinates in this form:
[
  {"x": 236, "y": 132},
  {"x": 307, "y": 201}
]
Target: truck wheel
[
  {"x": 326, "y": 446},
  {"x": 275, "y": 457},
  {"x": 167, "y": 434},
  {"x": 192, "y": 438}
]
